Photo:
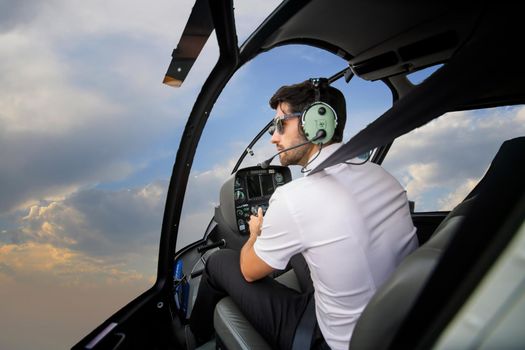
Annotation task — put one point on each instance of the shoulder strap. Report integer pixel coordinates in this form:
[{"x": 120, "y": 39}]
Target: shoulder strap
[{"x": 305, "y": 329}]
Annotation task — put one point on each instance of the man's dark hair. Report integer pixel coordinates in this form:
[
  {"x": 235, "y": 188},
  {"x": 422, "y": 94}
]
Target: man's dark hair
[{"x": 301, "y": 95}]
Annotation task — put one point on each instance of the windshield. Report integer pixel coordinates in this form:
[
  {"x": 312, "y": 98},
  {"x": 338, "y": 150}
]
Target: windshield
[{"x": 242, "y": 111}]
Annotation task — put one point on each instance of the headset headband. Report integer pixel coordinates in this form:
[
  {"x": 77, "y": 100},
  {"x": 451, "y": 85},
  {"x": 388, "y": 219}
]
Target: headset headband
[{"x": 318, "y": 83}]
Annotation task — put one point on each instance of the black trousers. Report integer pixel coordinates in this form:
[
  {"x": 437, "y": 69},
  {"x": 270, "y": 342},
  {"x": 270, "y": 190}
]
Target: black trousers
[{"x": 272, "y": 308}]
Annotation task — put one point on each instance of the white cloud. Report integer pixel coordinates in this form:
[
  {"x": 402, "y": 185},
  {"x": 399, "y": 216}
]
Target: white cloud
[
  {"x": 249, "y": 14},
  {"x": 202, "y": 196},
  {"x": 455, "y": 197},
  {"x": 35, "y": 95},
  {"x": 159, "y": 21},
  {"x": 81, "y": 95},
  {"x": 86, "y": 254},
  {"x": 101, "y": 223},
  {"x": 441, "y": 161},
  {"x": 81, "y": 103},
  {"x": 520, "y": 116},
  {"x": 420, "y": 177}
]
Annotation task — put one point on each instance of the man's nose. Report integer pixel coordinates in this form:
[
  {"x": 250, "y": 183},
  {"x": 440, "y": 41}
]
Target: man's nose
[{"x": 275, "y": 137}]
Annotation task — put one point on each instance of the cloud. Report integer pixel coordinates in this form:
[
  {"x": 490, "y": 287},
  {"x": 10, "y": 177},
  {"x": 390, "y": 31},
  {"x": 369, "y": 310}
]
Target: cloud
[
  {"x": 250, "y": 14},
  {"x": 19, "y": 13},
  {"x": 96, "y": 17},
  {"x": 202, "y": 196},
  {"x": 98, "y": 223},
  {"x": 55, "y": 136},
  {"x": 23, "y": 262},
  {"x": 95, "y": 243},
  {"x": 81, "y": 99},
  {"x": 86, "y": 254},
  {"x": 82, "y": 109},
  {"x": 421, "y": 177},
  {"x": 117, "y": 228},
  {"x": 441, "y": 161},
  {"x": 452, "y": 199},
  {"x": 59, "y": 295}
]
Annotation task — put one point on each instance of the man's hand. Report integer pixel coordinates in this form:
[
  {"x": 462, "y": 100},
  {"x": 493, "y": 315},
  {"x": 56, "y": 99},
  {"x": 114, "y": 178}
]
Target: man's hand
[
  {"x": 256, "y": 222},
  {"x": 253, "y": 267}
]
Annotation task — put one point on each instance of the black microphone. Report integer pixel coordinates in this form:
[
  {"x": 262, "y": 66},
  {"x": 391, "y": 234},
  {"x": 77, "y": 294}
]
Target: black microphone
[{"x": 320, "y": 134}]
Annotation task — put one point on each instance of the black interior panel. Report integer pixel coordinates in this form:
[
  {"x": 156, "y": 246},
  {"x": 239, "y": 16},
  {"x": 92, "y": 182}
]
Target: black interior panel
[{"x": 426, "y": 223}]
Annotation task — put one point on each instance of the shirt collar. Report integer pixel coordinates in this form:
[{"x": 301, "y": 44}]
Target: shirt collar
[{"x": 326, "y": 152}]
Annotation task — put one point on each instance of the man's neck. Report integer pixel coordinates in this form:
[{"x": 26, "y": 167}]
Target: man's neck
[
  {"x": 320, "y": 154},
  {"x": 314, "y": 149}
]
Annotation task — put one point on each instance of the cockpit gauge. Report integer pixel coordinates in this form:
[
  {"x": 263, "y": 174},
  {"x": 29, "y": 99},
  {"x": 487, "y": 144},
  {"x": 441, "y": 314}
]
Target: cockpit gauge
[{"x": 239, "y": 195}]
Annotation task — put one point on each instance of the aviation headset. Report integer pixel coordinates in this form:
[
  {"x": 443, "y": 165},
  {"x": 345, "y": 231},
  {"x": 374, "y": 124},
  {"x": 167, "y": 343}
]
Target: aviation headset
[{"x": 319, "y": 118}]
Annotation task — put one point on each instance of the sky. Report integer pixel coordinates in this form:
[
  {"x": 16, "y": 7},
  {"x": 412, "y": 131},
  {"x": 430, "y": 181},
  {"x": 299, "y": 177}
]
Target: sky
[
  {"x": 89, "y": 134},
  {"x": 88, "y": 137}
]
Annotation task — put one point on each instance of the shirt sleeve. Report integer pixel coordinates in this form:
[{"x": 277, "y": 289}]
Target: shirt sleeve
[{"x": 280, "y": 235}]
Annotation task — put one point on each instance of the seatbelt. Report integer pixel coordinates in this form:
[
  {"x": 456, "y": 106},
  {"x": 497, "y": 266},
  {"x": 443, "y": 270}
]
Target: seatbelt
[{"x": 305, "y": 329}]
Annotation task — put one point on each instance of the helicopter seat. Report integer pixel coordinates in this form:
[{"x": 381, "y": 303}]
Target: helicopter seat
[
  {"x": 396, "y": 297},
  {"x": 234, "y": 331}
]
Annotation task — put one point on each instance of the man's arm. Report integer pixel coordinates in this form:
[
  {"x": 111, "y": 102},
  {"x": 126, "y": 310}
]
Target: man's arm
[{"x": 253, "y": 268}]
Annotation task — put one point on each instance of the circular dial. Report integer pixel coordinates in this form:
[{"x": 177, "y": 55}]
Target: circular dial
[{"x": 239, "y": 195}]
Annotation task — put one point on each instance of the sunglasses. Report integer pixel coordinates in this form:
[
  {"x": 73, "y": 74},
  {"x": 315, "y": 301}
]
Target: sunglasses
[{"x": 278, "y": 122}]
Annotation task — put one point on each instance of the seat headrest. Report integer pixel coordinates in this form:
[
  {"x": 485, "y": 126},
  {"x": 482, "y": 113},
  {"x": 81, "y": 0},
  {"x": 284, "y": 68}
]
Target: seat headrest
[{"x": 393, "y": 301}]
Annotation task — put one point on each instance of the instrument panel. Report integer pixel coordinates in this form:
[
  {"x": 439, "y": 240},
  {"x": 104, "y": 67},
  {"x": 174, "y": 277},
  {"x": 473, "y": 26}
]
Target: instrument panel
[
  {"x": 253, "y": 189},
  {"x": 245, "y": 191}
]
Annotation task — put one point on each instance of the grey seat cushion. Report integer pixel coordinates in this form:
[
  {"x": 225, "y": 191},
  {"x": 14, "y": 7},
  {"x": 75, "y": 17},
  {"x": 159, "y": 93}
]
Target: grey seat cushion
[{"x": 234, "y": 330}]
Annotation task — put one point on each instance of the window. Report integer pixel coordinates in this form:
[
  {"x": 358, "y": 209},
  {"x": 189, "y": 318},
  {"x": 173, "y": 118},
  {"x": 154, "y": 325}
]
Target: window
[
  {"x": 420, "y": 76},
  {"x": 242, "y": 110},
  {"x": 441, "y": 162}
]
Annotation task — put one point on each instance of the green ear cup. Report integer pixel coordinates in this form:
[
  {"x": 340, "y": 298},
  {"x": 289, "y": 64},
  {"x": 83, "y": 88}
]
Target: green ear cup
[{"x": 319, "y": 116}]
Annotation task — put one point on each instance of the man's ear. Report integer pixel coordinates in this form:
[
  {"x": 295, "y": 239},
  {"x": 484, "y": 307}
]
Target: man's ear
[{"x": 301, "y": 130}]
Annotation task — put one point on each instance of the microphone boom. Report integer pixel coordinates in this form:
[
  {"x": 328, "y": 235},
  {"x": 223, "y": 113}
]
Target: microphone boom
[{"x": 266, "y": 163}]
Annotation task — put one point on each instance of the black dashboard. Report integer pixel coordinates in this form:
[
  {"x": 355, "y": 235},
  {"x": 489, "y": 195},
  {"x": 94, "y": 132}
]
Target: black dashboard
[{"x": 241, "y": 195}]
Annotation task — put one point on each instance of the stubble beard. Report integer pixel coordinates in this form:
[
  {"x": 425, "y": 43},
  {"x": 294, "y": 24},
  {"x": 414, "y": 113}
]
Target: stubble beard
[{"x": 295, "y": 156}]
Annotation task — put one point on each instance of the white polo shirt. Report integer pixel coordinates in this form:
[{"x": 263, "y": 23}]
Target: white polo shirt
[{"x": 352, "y": 224}]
